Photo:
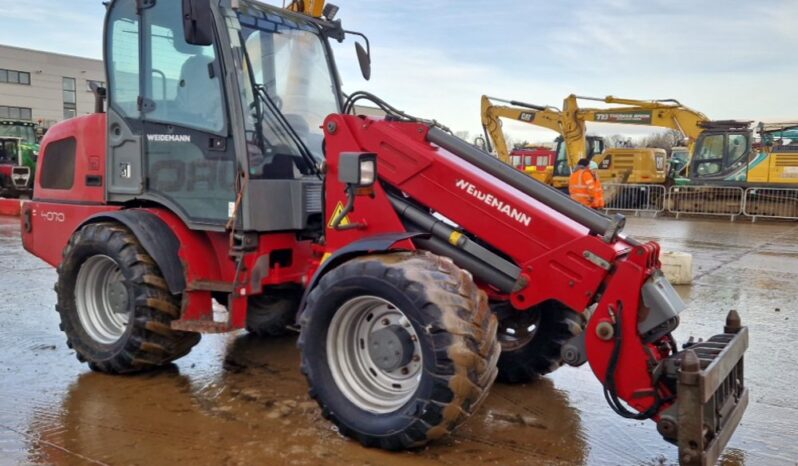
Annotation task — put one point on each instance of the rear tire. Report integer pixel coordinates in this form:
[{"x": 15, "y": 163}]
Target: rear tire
[
  {"x": 449, "y": 348},
  {"x": 527, "y": 352},
  {"x": 271, "y": 314},
  {"x": 114, "y": 304}
]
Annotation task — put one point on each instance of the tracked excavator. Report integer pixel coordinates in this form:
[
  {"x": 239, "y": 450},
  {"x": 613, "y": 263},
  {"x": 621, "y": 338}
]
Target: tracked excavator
[
  {"x": 619, "y": 165},
  {"x": 209, "y": 172}
]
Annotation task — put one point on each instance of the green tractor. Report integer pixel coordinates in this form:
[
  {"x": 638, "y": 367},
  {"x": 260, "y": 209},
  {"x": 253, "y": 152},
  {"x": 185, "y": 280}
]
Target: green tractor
[
  {"x": 28, "y": 134},
  {"x": 19, "y": 151}
]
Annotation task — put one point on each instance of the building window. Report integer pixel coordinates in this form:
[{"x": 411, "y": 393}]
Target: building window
[
  {"x": 14, "y": 77},
  {"x": 16, "y": 113},
  {"x": 70, "y": 98}
]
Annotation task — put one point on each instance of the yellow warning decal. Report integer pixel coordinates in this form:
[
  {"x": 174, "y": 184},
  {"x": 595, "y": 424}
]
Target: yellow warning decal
[{"x": 339, "y": 209}]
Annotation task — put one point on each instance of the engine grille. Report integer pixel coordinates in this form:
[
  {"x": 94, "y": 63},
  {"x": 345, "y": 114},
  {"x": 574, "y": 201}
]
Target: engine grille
[
  {"x": 313, "y": 197},
  {"x": 20, "y": 176}
]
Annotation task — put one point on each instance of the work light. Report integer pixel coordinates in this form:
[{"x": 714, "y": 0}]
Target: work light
[{"x": 330, "y": 11}]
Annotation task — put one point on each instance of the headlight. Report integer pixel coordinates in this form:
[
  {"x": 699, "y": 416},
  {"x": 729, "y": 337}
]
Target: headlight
[
  {"x": 357, "y": 169},
  {"x": 368, "y": 172}
]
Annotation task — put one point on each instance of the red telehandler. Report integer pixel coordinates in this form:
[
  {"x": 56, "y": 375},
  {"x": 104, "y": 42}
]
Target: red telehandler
[{"x": 224, "y": 162}]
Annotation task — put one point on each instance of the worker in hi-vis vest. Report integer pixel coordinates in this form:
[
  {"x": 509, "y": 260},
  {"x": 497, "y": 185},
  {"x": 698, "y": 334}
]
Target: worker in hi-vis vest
[{"x": 585, "y": 186}]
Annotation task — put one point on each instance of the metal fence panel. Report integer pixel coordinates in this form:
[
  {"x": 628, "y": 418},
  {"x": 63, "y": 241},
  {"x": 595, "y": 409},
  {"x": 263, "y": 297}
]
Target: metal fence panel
[
  {"x": 706, "y": 200},
  {"x": 771, "y": 203},
  {"x": 636, "y": 198}
]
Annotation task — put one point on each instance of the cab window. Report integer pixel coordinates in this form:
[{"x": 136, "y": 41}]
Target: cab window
[
  {"x": 709, "y": 155},
  {"x": 738, "y": 147},
  {"x": 124, "y": 59},
  {"x": 183, "y": 82}
]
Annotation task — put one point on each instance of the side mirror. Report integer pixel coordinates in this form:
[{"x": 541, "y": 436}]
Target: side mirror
[
  {"x": 198, "y": 22},
  {"x": 364, "y": 58}
]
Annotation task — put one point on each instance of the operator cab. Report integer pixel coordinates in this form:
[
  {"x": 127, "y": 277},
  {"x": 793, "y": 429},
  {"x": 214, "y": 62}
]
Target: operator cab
[
  {"x": 722, "y": 152},
  {"x": 207, "y": 101},
  {"x": 595, "y": 146}
]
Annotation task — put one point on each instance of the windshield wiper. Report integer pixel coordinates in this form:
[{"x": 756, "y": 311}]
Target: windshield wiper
[{"x": 307, "y": 156}]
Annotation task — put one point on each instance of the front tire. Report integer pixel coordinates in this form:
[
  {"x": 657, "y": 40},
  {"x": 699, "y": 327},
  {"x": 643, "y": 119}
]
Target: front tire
[
  {"x": 532, "y": 340},
  {"x": 114, "y": 304},
  {"x": 398, "y": 349}
]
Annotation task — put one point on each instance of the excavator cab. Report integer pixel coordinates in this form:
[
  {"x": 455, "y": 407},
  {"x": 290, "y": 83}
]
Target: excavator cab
[
  {"x": 722, "y": 152},
  {"x": 595, "y": 147}
]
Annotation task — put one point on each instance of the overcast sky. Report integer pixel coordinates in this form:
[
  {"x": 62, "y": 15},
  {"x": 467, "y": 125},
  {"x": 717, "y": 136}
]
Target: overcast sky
[{"x": 726, "y": 58}]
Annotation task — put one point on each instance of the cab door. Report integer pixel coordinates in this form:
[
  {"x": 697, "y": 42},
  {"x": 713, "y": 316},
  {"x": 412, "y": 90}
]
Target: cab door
[
  {"x": 188, "y": 152},
  {"x": 169, "y": 137}
]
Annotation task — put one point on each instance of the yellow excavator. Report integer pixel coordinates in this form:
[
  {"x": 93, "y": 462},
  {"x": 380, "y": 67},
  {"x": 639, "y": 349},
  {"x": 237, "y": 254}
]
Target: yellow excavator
[
  {"x": 546, "y": 117},
  {"x": 620, "y": 165}
]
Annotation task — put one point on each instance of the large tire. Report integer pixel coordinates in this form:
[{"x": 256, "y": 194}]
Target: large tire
[
  {"x": 445, "y": 316},
  {"x": 271, "y": 314},
  {"x": 114, "y": 304},
  {"x": 526, "y": 356}
]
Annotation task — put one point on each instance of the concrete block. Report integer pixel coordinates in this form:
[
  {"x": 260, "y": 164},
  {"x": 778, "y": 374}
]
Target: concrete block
[{"x": 677, "y": 267}]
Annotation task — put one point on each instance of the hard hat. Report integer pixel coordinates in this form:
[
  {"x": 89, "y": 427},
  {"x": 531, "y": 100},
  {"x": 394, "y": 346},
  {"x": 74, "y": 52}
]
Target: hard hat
[{"x": 593, "y": 165}]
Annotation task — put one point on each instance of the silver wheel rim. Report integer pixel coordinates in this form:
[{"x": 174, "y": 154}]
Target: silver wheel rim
[
  {"x": 518, "y": 330},
  {"x": 101, "y": 299},
  {"x": 353, "y": 369}
]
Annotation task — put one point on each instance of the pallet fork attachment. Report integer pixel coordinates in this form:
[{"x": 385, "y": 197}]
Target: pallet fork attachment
[{"x": 712, "y": 396}]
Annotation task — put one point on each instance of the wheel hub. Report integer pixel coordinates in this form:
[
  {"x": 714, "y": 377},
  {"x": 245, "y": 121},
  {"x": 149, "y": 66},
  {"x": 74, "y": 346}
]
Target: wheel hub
[
  {"x": 117, "y": 297},
  {"x": 391, "y": 348},
  {"x": 102, "y": 299},
  {"x": 374, "y": 354}
]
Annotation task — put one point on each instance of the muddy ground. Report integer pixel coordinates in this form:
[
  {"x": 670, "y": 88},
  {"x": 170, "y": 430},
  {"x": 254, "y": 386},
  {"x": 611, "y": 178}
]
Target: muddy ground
[{"x": 239, "y": 400}]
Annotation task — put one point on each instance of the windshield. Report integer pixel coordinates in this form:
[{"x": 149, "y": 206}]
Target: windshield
[
  {"x": 8, "y": 151},
  {"x": 289, "y": 61},
  {"x": 26, "y": 133},
  {"x": 561, "y": 165}
]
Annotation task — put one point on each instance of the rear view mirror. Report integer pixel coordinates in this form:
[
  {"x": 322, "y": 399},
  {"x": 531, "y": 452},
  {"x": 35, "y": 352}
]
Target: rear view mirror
[
  {"x": 364, "y": 58},
  {"x": 198, "y": 22}
]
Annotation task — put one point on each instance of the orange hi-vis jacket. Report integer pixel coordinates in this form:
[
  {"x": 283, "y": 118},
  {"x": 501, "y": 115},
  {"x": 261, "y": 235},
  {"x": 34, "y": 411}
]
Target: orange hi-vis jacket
[
  {"x": 586, "y": 189},
  {"x": 598, "y": 195}
]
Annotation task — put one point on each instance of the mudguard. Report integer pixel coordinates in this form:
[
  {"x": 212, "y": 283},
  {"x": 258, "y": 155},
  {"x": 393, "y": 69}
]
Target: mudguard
[
  {"x": 158, "y": 240},
  {"x": 375, "y": 244}
]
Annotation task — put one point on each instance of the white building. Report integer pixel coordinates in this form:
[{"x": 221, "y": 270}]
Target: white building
[{"x": 46, "y": 87}]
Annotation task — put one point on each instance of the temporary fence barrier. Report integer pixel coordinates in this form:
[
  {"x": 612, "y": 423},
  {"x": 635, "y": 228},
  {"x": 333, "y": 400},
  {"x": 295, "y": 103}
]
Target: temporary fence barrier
[
  {"x": 637, "y": 198},
  {"x": 724, "y": 201},
  {"x": 771, "y": 203}
]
